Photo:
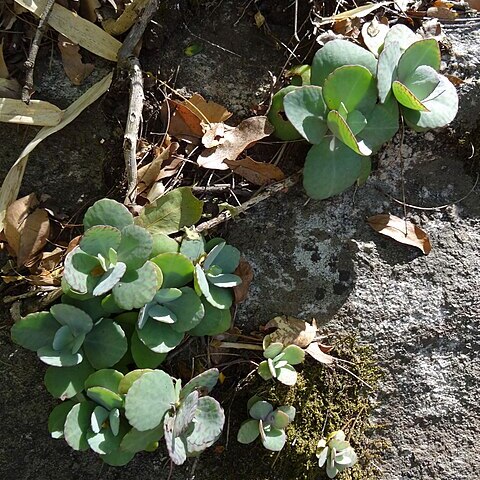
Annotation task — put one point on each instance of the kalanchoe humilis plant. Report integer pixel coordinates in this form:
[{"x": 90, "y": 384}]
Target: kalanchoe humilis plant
[
  {"x": 113, "y": 255},
  {"x": 336, "y": 452},
  {"x": 266, "y": 423},
  {"x": 279, "y": 363},
  {"x": 66, "y": 334}
]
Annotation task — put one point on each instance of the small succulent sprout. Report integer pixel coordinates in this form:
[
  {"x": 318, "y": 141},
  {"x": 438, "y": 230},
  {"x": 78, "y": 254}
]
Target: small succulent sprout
[
  {"x": 113, "y": 256},
  {"x": 336, "y": 452},
  {"x": 213, "y": 275},
  {"x": 279, "y": 361},
  {"x": 299, "y": 75},
  {"x": 63, "y": 336},
  {"x": 266, "y": 423}
]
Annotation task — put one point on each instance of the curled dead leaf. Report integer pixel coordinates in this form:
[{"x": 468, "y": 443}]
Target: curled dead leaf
[
  {"x": 316, "y": 352},
  {"x": 236, "y": 140},
  {"x": 245, "y": 272},
  {"x": 214, "y": 135},
  {"x": 401, "y": 230},
  {"x": 258, "y": 173},
  {"x": 443, "y": 13},
  {"x": 207, "y": 111},
  {"x": 76, "y": 70},
  {"x": 291, "y": 330}
]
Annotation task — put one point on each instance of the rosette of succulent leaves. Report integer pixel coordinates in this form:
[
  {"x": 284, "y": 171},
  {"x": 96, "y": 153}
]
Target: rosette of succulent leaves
[
  {"x": 336, "y": 452},
  {"x": 279, "y": 362},
  {"x": 121, "y": 415},
  {"x": 349, "y": 107},
  {"x": 267, "y": 423}
]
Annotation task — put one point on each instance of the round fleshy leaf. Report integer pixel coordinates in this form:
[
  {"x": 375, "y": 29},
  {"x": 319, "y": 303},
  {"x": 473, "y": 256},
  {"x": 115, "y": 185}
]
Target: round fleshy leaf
[
  {"x": 204, "y": 382},
  {"x": 405, "y": 97},
  {"x": 213, "y": 254},
  {"x": 163, "y": 244},
  {"x": 284, "y": 130},
  {"x": 64, "y": 339},
  {"x": 105, "y": 397},
  {"x": 185, "y": 413},
  {"x": 442, "y": 104},
  {"x": 224, "y": 280},
  {"x": 227, "y": 259},
  {"x": 114, "y": 421},
  {"x": 330, "y": 168},
  {"x": 109, "y": 279},
  {"x": 274, "y": 439},
  {"x": 341, "y": 130},
  {"x": 99, "y": 240},
  {"x": 289, "y": 410},
  {"x": 177, "y": 269},
  {"x": 176, "y": 446},
  {"x": 77, "y": 424},
  {"x": 193, "y": 248},
  {"x": 402, "y": 35},
  {"x": 107, "y": 212},
  {"x": 165, "y": 295},
  {"x": 159, "y": 337},
  {"x": 117, "y": 458},
  {"x": 110, "y": 306},
  {"x": 200, "y": 281},
  {"x": 338, "y": 53},
  {"x": 188, "y": 309},
  {"x": 306, "y": 110},
  {"x": 57, "y": 417},
  {"x": 106, "y": 344},
  {"x": 77, "y": 320},
  {"x": 35, "y": 331},
  {"x": 221, "y": 298},
  {"x": 107, "y": 378},
  {"x": 103, "y": 442},
  {"x": 129, "y": 379},
  {"x": 423, "y": 81},
  {"x": 135, "y": 246},
  {"x": 352, "y": 85},
  {"x": 66, "y": 382},
  {"x": 373, "y": 34},
  {"x": 91, "y": 306},
  {"x": 143, "y": 356},
  {"x": 278, "y": 419},
  {"x": 78, "y": 268},
  {"x": 135, "y": 441},
  {"x": 260, "y": 410},
  {"x": 148, "y": 399},
  {"x": 214, "y": 321},
  {"x": 162, "y": 314},
  {"x": 99, "y": 415},
  {"x": 293, "y": 354},
  {"x": 387, "y": 69},
  {"x": 356, "y": 121},
  {"x": 264, "y": 370},
  {"x": 423, "y": 52},
  {"x": 287, "y": 375},
  {"x": 59, "y": 359},
  {"x": 137, "y": 287},
  {"x": 273, "y": 350},
  {"x": 322, "y": 456},
  {"x": 248, "y": 432}
]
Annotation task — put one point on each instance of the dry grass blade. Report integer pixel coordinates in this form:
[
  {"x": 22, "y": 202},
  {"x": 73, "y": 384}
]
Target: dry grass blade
[
  {"x": 37, "y": 112},
  {"x": 358, "y": 12}
]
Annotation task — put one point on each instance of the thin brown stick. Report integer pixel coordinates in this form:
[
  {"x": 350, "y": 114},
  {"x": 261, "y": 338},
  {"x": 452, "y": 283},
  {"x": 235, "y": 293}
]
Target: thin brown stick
[
  {"x": 29, "y": 64},
  {"x": 267, "y": 193},
  {"x": 128, "y": 61}
]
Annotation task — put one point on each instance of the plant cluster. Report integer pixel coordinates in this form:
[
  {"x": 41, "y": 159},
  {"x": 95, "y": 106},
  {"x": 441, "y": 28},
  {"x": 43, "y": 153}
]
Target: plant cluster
[
  {"x": 131, "y": 294},
  {"x": 336, "y": 452},
  {"x": 350, "y": 105}
]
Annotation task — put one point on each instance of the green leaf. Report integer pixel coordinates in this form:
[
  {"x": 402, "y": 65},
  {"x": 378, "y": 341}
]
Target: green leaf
[
  {"x": 91, "y": 306},
  {"x": 100, "y": 239},
  {"x": 274, "y": 438},
  {"x": 35, "y": 331},
  {"x": 117, "y": 458},
  {"x": 365, "y": 171},
  {"x": 260, "y": 410},
  {"x": 402, "y": 35},
  {"x": 330, "y": 168},
  {"x": 58, "y": 359},
  {"x": 264, "y": 370},
  {"x": 77, "y": 320},
  {"x": 162, "y": 244},
  {"x": 341, "y": 130},
  {"x": 77, "y": 425},
  {"x": 406, "y": 97},
  {"x": 193, "y": 248},
  {"x": 356, "y": 121},
  {"x": 135, "y": 441},
  {"x": 106, "y": 344},
  {"x": 57, "y": 417},
  {"x": 352, "y": 85},
  {"x": 248, "y": 432},
  {"x": 221, "y": 298},
  {"x": 105, "y": 397},
  {"x": 188, "y": 309},
  {"x": 135, "y": 247},
  {"x": 287, "y": 375},
  {"x": 338, "y": 53},
  {"x": 107, "y": 212},
  {"x": 129, "y": 379},
  {"x": 213, "y": 254},
  {"x": 284, "y": 130},
  {"x": 185, "y": 413},
  {"x": 214, "y": 322},
  {"x": 205, "y": 382},
  {"x": 387, "y": 69},
  {"x": 177, "y": 269},
  {"x": 137, "y": 287},
  {"x": 200, "y": 281},
  {"x": 66, "y": 382},
  {"x": 114, "y": 420},
  {"x": 99, "y": 415},
  {"x": 107, "y": 378},
  {"x": 103, "y": 442},
  {"x": 293, "y": 354},
  {"x": 171, "y": 212},
  {"x": 143, "y": 356},
  {"x": 273, "y": 350},
  {"x": 442, "y": 104},
  {"x": 148, "y": 399},
  {"x": 166, "y": 295},
  {"x": 176, "y": 446},
  {"x": 78, "y": 266},
  {"x": 159, "y": 313},
  {"x": 109, "y": 279},
  {"x": 423, "y": 81},
  {"x": 110, "y": 306},
  {"x": 159, "y": 337},
  {"x": 289, "y": 410},
  {"x": 224, "y": 280},
  {"x": 306, "y": 110},
  {"x": 279, "y": 419},
  {"x": 423, "y": 52}
]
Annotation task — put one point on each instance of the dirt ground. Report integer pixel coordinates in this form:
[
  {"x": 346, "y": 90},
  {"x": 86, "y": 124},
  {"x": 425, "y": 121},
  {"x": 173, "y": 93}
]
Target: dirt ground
[{"x": 311, "y": 259}]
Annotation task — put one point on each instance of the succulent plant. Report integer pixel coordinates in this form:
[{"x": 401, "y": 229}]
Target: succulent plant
[
  {"x": 267, "y": 423},
  {"x": 65, "y": 334},
  {"x": 336, "y": 452},
  {"x": 113, "y": 256},
  {"x": 279, "y": 361}
]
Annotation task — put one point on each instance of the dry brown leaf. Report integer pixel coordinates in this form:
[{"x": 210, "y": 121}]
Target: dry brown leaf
[
  {"x": 9, "y": 88},
  {"x": 207, "y": 111},
  {"x": 88, "y": 9},
  {"x": 455, "y": 80},
  {"x": 443, "y": 13},
  {"x": 373, "y": 34},
  {"x": 350, "y": 27},
  {"x": 258, "y": 173},
  {"x": 124, "y": 22},
  {"x": 475, "y": 4},
  {"x": 259, "y": 19},
  {"x": 291, "y": 330},
  {"x": 236, "y": 141},
  {"x": 3, "y": 66},
  {"x": 316, "y": 352},
  {"x": 183, "y": 124},
  {"x": 26, "y": 228},
  {"x": 245, "y": 272},
  {"x": 214, "y": 134},
  {"x": 400, "y": 230},
  {"x": 76, "y": 70},
  {"x": 49, "y": 261}
]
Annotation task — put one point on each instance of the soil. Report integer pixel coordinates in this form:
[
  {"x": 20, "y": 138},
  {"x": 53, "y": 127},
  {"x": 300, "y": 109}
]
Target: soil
[{"x": 420, "y": 314}]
